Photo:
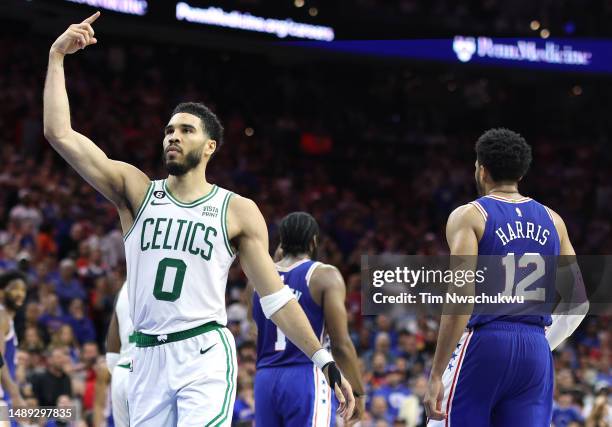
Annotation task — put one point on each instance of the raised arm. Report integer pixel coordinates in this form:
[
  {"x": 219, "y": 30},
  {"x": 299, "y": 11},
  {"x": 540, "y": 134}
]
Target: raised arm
[
  {"x": 107, "y": 176},
  {"x": 247, "y": 227}
]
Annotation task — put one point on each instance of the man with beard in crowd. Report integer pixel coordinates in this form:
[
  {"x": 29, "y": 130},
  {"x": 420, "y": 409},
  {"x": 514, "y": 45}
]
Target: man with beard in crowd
[{"x": 12, "y": 296}]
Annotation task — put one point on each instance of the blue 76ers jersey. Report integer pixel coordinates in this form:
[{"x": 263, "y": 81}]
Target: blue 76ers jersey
[
  {"x": 273, "y": 348},
  {"x": 519, "y": 227}
]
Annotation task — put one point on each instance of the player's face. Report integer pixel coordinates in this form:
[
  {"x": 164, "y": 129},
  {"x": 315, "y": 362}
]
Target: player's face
[
  {"x": 15, "y": 294},
  {"x": 185, "y": 143}
]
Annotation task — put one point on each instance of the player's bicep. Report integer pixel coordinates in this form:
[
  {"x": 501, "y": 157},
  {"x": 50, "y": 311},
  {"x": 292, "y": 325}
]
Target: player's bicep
[
  {"x": 566, "y": 247},
  {"x": 333, "y": 302},
  {"x": 107, "y": 176},
  {"x": 461, "y": 231},
  {"x": 248, "y": 227}
]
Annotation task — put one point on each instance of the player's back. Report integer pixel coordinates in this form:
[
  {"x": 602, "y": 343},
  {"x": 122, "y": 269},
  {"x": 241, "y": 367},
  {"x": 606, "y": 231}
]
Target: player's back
[
  {"x": 273, "y": 349},
  {"x": 289, "y": 389},
  {"x": 515, "y": 228}
]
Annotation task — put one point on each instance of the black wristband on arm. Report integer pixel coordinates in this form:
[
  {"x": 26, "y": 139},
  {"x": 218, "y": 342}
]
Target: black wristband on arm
[{"x": 334, "y": 374}]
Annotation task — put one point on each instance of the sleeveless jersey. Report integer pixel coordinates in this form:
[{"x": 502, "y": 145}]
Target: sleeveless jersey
[
  {"x": 514, "y": 228},
  {"x": 122, "y": 309},
  {"x": 178, "y": 257},
  {"x": 273, "y": 348}
]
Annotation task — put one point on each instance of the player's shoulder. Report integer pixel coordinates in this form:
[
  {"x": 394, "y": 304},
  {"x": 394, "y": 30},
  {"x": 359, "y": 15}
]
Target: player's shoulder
[
  {"x": 557, "y": 221},
  {"x": 242, "y": 208},
  {"x": 470, "y": 213},
  {"x": 240, "y": 203},
  {"x": 326, "y": 275},
  {"x": 244, "y": 217},
  {"x": 554, "y": 215},
  {"x": 468, "y": 216}
]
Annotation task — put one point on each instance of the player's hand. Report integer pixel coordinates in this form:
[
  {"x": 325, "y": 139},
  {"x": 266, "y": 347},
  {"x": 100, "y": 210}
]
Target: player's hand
[
  {"x": 433, "y": 399},
  {"x": 342, "y": 390},
  {"x": 77, "y": 36},
  {"x": 359, "y": 411}
]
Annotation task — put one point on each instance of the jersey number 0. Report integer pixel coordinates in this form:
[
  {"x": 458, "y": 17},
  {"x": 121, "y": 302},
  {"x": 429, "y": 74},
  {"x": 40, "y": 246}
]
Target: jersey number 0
[{"x": 162, "y": 268}]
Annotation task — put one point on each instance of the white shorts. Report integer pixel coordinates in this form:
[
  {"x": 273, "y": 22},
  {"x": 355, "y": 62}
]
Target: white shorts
[
  {"x": 119, "y": 396},
  {"x": 185, "y": 383},
  {"x": 450, "y": 375}
]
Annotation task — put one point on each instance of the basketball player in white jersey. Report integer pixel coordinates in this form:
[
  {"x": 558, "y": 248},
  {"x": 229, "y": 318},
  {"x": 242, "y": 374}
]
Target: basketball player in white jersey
[
  {"x": 181, "y": 236},
  {"x": 119, "y": 353}
]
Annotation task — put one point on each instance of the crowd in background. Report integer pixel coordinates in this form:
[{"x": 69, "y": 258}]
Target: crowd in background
[{"x": 379, "y": 154}]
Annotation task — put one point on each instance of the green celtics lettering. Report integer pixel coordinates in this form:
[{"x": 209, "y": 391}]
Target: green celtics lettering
[{"x": 178, "y": 235}]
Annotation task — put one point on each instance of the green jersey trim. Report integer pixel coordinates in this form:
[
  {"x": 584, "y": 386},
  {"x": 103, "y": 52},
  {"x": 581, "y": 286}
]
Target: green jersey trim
[
  {"x": 140, "y": 210},
  {"x": 224, "y": 206},
  {"x": 145, "y": 340},
  {"x": 229, "y": 378},
  {"x": 202, "y": 199}
]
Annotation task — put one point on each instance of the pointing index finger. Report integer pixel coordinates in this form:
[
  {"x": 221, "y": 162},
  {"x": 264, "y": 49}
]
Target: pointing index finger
[{"x": 92, "y": 18}]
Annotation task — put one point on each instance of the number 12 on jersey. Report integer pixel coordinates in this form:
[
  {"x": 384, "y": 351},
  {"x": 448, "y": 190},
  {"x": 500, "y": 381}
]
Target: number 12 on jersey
[{"x": 526, "y": 260}]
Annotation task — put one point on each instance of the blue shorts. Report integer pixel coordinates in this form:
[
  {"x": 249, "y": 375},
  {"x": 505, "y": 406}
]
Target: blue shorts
[
  {"x": 293, "y": 396},
  {"x": 500, "y": 375}
]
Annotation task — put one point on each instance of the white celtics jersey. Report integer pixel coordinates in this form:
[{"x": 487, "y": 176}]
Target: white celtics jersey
[
  {"x": 178, "y": 256},
  {"x": 122, "y": 309}
]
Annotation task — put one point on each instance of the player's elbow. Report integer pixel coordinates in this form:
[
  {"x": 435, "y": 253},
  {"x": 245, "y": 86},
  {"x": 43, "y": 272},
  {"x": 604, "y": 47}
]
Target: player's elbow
[
  {"x": 54, "y": 134},
  {"x": 342, "y": 347}
]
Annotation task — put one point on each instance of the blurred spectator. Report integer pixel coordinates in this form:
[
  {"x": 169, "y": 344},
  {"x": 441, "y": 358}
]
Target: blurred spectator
[
  {"x": 394, "y": 392},
  {"x": 53, "y": 381},
  {"x": 53, "y": 316},
  {"x": 600, "y": 414},
  {"x": 565, "y": 412},
  {"x": 244, "y": 408},
  {"x": 412, "y": 411},
  {"x": 68, "y": 286},
  {"x": 82, "y": 326},
  {"x": 379, "y": 410},
  {"x": 64, "y": 337}
]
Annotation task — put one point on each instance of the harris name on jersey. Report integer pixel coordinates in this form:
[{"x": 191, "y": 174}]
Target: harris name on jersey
[{"x": 522, "y": 230}]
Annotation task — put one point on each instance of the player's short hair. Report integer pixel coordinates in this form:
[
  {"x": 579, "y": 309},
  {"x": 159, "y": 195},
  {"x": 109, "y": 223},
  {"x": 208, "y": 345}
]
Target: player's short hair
[
  {"x": 504, "y": 153},
  {"x": 296, "y": 232},
  {"x": 10, "y": 275},
  {"x": 210, "y": 122}
]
